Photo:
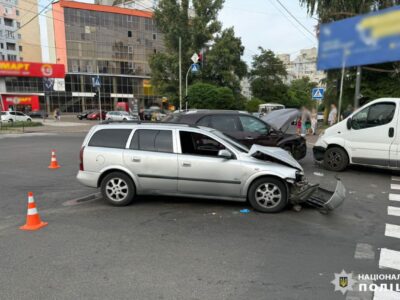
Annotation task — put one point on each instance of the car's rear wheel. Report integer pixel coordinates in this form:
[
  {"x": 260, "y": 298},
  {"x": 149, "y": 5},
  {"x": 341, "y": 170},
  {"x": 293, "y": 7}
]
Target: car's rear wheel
[
  {"x": 268, "y": 195},
  {"x": 335, "y": 159},
  {"x": 29, "y": 120},
  {"x": 118, "y": 189},
  {"x": 10, "y": 121}
]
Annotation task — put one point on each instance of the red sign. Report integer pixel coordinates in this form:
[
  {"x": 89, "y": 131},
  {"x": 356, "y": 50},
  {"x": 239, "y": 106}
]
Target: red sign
[
  {"x": 29, "y": 69},
  {"x": 11, "y": 100}
]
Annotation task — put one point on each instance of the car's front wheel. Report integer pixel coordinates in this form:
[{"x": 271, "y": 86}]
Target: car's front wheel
[
  {"x": 268, "y": 195},
  {"x": 118, "y": 189},
  {"x": 335, "y": 159},
  {"x": 29, "y": 120}
]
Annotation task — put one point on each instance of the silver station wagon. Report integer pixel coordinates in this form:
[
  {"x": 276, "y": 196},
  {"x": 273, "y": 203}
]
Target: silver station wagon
[{"x": 130, "y": 159}]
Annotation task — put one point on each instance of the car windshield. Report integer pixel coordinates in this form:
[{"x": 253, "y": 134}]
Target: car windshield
[
  {"x": 233, "y": 143},
  {"x": 3, "y": 113}
]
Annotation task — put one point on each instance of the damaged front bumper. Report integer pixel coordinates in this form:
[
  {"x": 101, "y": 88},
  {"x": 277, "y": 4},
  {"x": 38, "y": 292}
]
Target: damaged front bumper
[{"x": 317, "y": 197}]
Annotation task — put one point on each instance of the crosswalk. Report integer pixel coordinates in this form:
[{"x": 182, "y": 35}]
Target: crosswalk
[{"x": 390, "y": 258}]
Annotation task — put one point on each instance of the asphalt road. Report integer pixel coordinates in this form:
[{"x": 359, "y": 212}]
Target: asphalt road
[{"x": 165, "y": 248}]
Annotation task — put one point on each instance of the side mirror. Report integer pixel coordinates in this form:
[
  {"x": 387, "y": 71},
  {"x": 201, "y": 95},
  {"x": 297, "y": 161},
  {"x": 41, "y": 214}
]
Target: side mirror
[
  {"x": 348, "y": 123},
  {"x": 224, "y": 154}
]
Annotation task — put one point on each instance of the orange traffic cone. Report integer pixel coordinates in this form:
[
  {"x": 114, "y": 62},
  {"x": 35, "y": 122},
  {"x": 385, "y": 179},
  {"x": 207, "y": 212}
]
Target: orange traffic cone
[
  {"x": 33, "y": 221},
  {"x": 53, "y": 163}
]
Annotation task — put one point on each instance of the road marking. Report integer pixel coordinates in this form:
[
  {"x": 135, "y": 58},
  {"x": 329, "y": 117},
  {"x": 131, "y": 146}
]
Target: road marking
[
  {"x": 396, "y": 178},
  {"x": 392, "y": 231},
  {"x": 386, "y": 295},
  {"x": 394, "y": 211},
  {"x": 389, "y": 259},
  {"x": 395, "y": 186},
  {"x": 364, "y": 251},
  {"x": 394, "y": 197}
]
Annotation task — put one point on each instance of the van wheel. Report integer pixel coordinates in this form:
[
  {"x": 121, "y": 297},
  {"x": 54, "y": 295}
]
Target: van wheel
[
  {"x": 335, "y": 159},
  {"x": 118, "y": 189},
  {"x": 268, "y": 195}
]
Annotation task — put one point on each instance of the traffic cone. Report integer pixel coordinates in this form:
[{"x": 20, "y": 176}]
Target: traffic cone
[
  {"x": 53, "y": 163},
  {"x": 33, "y": 221}
]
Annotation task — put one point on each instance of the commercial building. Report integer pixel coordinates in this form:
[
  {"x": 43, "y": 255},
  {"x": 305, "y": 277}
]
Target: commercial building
[
  {"x": 304, "y": 65},
  {"x": 95, "y": 40}
]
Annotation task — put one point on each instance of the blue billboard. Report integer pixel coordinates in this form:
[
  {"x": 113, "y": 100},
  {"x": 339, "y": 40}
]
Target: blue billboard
[{"x": 361, "y": 40}]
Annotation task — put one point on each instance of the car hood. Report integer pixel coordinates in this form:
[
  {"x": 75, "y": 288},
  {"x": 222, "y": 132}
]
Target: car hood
[
  {"x": 281, "y": 119},
  {"x": 275, "y": 154}
]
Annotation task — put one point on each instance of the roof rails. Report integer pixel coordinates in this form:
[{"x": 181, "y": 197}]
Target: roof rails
[{"x": 108, "y": 122}]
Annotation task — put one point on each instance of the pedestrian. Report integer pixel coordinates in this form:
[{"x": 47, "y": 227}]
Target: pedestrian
[
  {"x": 347, "y": 112},
  {"x": 58, "y": 114},
  {"x": 305, "y": 120},
  {"x": 314, "y": 121},
  {"x": 141, "y": 114},
  {"x": 298, "y": 126},
  {"x": 332, "y": 115},
  {"x": 55, "y": 114}
]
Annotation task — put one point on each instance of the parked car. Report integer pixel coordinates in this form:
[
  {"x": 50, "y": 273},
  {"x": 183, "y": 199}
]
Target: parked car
[
  {"x": 130, "y": 159},
  {"x": 246, "y": 129},
  {"x": 14, "y": 116},
  {"x": 369, "y": 136},
  {"x": 96, "y": 115},
  {"x": 39, "y": 114},
  {"x": 119, "y": 116},
  {"x": 84, "y": 114}
]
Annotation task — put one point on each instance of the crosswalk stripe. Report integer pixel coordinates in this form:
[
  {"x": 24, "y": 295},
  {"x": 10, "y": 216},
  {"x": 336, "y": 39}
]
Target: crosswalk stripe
[
  {"x": 395, "y": 186},
  {"x": 386, "y": 295},
  {"x": 392, "y": 231},
  {"x": 396, "y": 178},
  {"x": 389, "y": 259},
  {"x": 394, "y": 211},
  {"x": 394, "y": 197}
]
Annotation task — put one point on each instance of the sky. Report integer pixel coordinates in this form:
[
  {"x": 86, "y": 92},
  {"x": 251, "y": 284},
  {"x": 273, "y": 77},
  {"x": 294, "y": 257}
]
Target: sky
[{"x": 259, "y": 23}]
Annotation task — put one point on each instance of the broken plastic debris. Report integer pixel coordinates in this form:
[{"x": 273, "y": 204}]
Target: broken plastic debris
[
  {"x": 318, "y": 174},
  {"x": 245, "y": 211}
]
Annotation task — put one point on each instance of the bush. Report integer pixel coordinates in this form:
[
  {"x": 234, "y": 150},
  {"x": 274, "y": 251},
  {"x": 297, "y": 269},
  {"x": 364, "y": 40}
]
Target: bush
[{"x": 7, "y": 125}]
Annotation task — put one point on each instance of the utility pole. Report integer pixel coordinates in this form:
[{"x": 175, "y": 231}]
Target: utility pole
[
  {"x": 358, "y": 86},
  {"x": 180, "y": 73},
  {"x": 341, "y": 89},
  {"x": 98, "y": 88}
]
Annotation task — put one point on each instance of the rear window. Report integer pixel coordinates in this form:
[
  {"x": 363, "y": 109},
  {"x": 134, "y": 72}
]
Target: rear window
[
  {"x": 3, "y": 113},
  {"x": 110, "y": 138},
  {"x": 152, "y": 140}
]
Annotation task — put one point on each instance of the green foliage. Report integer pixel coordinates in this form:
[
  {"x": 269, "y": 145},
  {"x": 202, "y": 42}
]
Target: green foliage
[
  {"x": 173, "y": 21},
  {"x": 208, "y": 96},
  {"x": 223, "y": 64},
  {"x": 10, "y": 125},
  {"x": 299, "y": 93},
  {"x": 252, "y": 105},
  {"x": 267, "y": 76}
]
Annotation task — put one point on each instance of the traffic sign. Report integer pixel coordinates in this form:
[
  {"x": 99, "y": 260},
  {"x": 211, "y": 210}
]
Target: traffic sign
[
  {"x": 318, "y": 93},
  {"x": 195, "y": 58},
  {"x": 195, "y": 68},
  {"x": 96, "y": 81}
]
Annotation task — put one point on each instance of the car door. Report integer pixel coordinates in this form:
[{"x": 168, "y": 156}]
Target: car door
[
  {"x": 21, "y": 117},
  {"x": 201, "y": 171},
  {"x": 372, "y": 134},
  {"x": 152, "y": 159},
  {"x": 255, "y": 131}
]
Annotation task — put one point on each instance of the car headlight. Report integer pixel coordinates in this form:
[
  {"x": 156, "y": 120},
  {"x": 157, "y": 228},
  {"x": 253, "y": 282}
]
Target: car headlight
[{"x": 300, "y": 176}]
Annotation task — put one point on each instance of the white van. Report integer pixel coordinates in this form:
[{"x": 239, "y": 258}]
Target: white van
[
  {"x": 369, "y": 136},
  {"x": 266, "y": 108}
]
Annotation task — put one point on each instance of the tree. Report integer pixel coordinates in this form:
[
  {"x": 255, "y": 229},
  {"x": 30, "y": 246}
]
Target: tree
[
  {"x": 208, "y": 96},
  {"x": 299, "y": 93},
  {"x": 252, "y": 105},
  {"x": 172, "y": 19},
  {"x": 267, "y": 76},
  {"x": 223, "y": 65}
]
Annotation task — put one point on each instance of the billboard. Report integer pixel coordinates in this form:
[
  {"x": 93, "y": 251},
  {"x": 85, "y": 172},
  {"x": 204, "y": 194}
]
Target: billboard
[
  {"x": 30, "y": 69},
  {"x": 361, "y": 40}
]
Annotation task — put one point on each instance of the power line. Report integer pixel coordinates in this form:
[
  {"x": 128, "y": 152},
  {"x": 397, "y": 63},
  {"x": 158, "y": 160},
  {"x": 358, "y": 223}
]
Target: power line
[
  {"x": 290, "y": 21},
  {"x": 294, "y": 17},
  {"x": 35, "y": 16}
]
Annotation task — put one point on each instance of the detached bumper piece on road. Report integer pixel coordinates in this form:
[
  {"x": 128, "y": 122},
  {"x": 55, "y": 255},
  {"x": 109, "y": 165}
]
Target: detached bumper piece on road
[
  {"x": 321, "y": 198},
  {"x": 327, "y": 200}
]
